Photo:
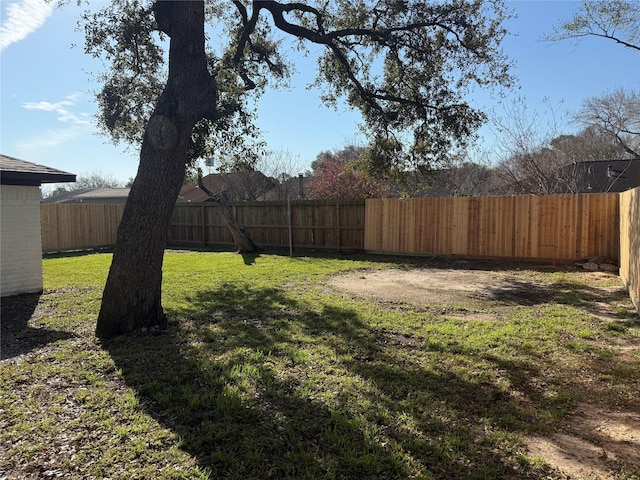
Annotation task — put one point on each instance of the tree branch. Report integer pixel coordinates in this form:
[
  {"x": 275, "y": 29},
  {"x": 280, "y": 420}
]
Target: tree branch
[
  {"x": 599, "y": 35},
  {"x": 249, "y": 25},
  {"x": 330, "y": 40}
]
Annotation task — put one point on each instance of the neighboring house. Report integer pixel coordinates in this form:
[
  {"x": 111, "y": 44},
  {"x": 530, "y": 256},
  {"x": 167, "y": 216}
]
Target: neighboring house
[
  {"x": 20, "y": 240},
  {"x": 238, "y": 187},
  {"x": 604, "y": 176},
  {"x": 191, "y": 194},
  {"x": 597, "y": 176},
  {"x": 294, "y": 188},
  {"x": 91, "y": 195}
]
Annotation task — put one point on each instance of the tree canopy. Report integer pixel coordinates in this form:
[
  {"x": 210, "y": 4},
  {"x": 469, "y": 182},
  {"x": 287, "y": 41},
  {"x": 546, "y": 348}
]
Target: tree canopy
[
  {"x": 340, "y": 174},
  {"x": 406, "y": 65}
]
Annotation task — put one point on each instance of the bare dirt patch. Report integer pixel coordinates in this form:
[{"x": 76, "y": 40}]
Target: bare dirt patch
[
  {"x": 594, "y": 443},
  {"x": 442, "y": 286}
]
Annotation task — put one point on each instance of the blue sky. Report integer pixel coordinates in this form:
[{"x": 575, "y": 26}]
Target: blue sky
[{"x": 47, "y": 102}]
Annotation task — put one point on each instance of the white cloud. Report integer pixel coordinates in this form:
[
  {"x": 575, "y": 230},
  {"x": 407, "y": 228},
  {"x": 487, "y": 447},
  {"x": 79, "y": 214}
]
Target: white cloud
[
  {"x": 50, "y": 139},
  {"x": 77, "y": 124},
  {"x": 62, "y": 108},
  {"x": 22, "y": 18},
  {"x": 48, "y": 106}
]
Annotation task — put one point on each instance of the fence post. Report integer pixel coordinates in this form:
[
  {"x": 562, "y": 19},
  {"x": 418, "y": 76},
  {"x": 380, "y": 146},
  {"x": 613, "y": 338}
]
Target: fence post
[
  {"x": 204, "y": 224},
  {"x": 290, "y": 228},
  {"x": 338, "y": 226}
]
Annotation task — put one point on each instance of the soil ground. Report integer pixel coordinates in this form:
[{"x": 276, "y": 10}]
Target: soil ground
[{"x": 593, "y": 439}]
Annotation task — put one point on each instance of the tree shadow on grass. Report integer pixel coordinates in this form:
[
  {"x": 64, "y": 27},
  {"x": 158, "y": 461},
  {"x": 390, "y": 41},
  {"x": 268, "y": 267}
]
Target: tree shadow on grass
[
  {"x": 594, "y": 300},
  {"x": 17, "y": 337},
  {"x": 257, "y": 385},
  {"x": 518, "y": 292},
  {"x": 444, "y": 262}
]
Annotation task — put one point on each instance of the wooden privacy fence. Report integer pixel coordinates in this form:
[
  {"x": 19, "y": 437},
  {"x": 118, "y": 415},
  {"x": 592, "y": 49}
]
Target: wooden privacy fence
[
  {"x": 310, "y": 224},
  {"x": 78, "y": 226},
  {"x": 559, "y": 227},
  {"x": 303, "y": 224}
]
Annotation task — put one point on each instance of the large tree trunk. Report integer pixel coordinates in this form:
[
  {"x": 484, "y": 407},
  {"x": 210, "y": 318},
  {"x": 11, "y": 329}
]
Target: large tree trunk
[{"x": 132, "y": 295}]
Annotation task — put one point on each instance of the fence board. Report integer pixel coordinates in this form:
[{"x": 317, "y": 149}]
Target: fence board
[
  {"x": 630, "y": 243},
  {"x": 560, "y": 227}
]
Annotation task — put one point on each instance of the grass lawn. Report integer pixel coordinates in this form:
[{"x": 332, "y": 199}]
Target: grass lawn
[{"x": 268, "y": 371}]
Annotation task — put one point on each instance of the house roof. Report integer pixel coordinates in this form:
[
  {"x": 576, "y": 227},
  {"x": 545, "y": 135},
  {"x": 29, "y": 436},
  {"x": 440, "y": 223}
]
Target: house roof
[
  {"x": 93, "y": 195},
  {"x": 14, "y": 171},
  {"x": 239, "y": 186},
  {"x": 105, "y": 193},
  {"x": 65, "y": 197},
  {"x": 607, "y": 176},
  {"x": 192, "y": 194}
]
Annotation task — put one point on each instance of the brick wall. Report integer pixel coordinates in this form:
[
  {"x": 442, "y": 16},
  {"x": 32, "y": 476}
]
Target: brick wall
[{"x": 20, "y": 242}]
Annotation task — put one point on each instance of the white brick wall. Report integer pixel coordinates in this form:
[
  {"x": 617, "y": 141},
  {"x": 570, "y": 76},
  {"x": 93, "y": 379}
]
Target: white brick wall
[{"x": 20, "y": 241}]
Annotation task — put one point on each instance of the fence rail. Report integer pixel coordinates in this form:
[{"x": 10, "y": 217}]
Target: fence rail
[{"x": 559, "y": 227}]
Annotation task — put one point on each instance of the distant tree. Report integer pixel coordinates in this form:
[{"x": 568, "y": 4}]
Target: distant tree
[
  {"x": 337, "y": 180},
  {"x": 283, "y": 167},
  {"x": 95, "y": 179},
  {"x": 53, "y": 190},
  {"x": 467, "y": 179},
  {"x": 589, "y": 145},
  {"x": 526, "y": 163},
  {"x": 190, "y": 177},
  {"x": 616, "y": 114},
  {"x": 538, "y": 158},
  {"x": 531, "y": 172},
  {"x": 339, "y": 175},
  {"x": 615, "y": 20},
  {"x": 406, "y": 65},
  {"x": 347, "y": 154}
]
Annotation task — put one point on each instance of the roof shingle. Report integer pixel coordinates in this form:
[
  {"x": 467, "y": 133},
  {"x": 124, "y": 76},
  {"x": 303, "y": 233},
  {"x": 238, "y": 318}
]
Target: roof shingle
[{"x": 14, "y": 171}]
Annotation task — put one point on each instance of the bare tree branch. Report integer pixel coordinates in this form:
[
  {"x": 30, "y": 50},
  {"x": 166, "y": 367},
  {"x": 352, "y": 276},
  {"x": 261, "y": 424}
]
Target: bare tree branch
[{"x": 615, "y": 20}]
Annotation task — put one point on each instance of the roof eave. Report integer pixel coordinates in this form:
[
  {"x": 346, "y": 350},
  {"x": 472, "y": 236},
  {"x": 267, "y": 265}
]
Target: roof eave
[{"x": 34, "y": 179}]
